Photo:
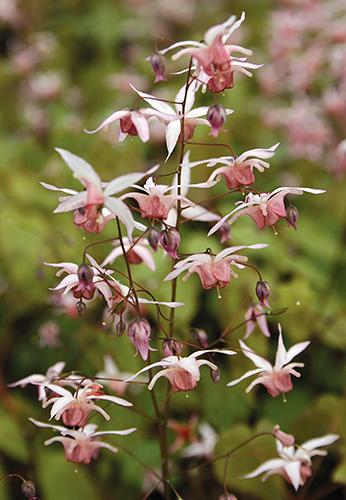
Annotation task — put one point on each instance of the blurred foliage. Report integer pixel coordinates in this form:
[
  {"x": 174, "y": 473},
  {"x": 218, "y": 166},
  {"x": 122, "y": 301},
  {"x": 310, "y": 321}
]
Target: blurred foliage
[{"x": 95, "y": 48}]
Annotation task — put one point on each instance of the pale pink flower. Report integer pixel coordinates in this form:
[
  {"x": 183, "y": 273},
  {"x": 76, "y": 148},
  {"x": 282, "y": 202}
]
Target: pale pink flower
[
  {"x": 75, "y": 409},
  {"x": 81, "y": 446},
  {"x": 95, "y": 206},
  {"x": 256, "y": 315},
  {"x": 136, "y": 253},
  {"x": 213, "y": 270},
  {"x": 132, "y": 122},
  {"x": 295, "y": 463},
  {"x": 238, "y": 170},
  {"x": 183, "y": 373},
  {"x": 204, "y": 446},
  {"x": 284, "y": 438},
  {"x": 111, "y": 371},
  {"x": 212, "y": 58},
  {"x": 139, "y": 333},
  {"x": 49, "y": 334},
  {"x": 265, "y": 209},
  {"x": 276, "y": 379}
]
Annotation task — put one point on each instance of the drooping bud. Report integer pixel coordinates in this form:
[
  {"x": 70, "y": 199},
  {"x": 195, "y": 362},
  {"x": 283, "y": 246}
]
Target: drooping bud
[
  {"x": 224, "y": 233},
  {"x": 120, "y": 328},
  {"x": 29, "y": 490},
  {"x": 262, "y": 292},
  {"x": 170, "y": 240},
  {"x": 292, "y": 216},
  {"x": 285, "y": 439},
  {"x": 201, "y": 337},
  {"x": 172, "y": 347},
  {"x": 153, "y": 238},
  {"x": 215, "y": 375},
  {"x": 81, "y": 307},
  {"x": 216, "y": 116},
  {"x": 139, "y": 334},
  {"x": 157, "y": 62}
]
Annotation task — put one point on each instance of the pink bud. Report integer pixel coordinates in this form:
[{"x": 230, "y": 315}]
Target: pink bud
[
  {"x": 292, "y": 216},
  {"x": 216, "y": 116},
  {"x": 153, "y": 238},
  {"x": 86, "y": 288},
  {"x": 169, "y": 240},
  {"x": 29, "y": 490},
  {"x": 285, "y": 439},
  {"x": 201, "y": 337},
  {"x": 139, "y": 334},
  {"x": 81, "y": 307},
  {"x": 215, "y": 375},
  {"x": 120, "y": 328},
  {"x": 157, "y": 62},
  {"x": 262, "y": 292},
  {"x": 172, "y": 347}
]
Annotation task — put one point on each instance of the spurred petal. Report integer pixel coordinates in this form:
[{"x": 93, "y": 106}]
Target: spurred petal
[
  {"x": 82, "y": 170},
  {"x": 110, "y": 119},
  {"x": 120, "y": 210},
  {"x": 273, "y": 464},
  {"x": 292, "y": 469}
]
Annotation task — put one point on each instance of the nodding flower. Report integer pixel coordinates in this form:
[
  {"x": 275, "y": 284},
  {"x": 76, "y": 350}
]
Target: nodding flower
[{"x": 183, "y": 373}]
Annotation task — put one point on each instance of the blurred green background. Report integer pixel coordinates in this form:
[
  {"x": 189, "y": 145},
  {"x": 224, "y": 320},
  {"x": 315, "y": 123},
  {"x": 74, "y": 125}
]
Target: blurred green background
[{"x": 64, "y": 66}]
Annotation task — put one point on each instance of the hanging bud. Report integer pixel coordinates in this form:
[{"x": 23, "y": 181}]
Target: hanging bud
[
  {"x": 120, "y": 328},
  {"x": 215, "y": 375},
  {"x": 81, "y": 307},
  {"x": 29, "y": 490},
  {"x": 262, "y": 292},
  {"x": 224, "y": 233},
  {"x": 292, "y": 216},
  {"x": 157, "y": 62},
  {"x": 172, "y": 347},
  {"x": 201, "y": 337},
  {"x": 285, "y": 439},
  {"x": 216, "y": 116},
  {"x": 153, "y": 238},
  {"x": 139, "y": 334},
  {"x": 170, "y": 240}
]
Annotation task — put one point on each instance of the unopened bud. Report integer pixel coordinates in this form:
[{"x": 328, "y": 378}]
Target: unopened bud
[
  {"x": 285, "y": 439},
  {"x": 292, "y": 216},
  {"x": 215, "y": 375},
  {"x": 153, "y": 238},
  {"x": 81, "y": 307},
  {"x": 201, "y": 337},
  {"x": 85, "y": 274},
  {"x": 170, "y": 240},
  {"x": 139, "y": 334},
  {"x": 216, "y": 116},
  {"x": 157, "y": 62},
  {"x": 172, "y": 347},
  {"x": 224, "y": 232},
  {"x": 29, "y": 490},
  {"x": 262, "y": 292},
  {"x": 120, "y": 328}
]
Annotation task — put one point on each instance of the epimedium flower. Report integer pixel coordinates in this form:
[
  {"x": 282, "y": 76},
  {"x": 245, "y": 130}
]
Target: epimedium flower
[
  {"x": 275, "y": 378},
  {"x": 265, "y": 209},
  {"x": 213, "y": 61},
  {"x": 238, "y": 171},
  {"x": 204, "y": 446},
  {"x": 136, "y": 252},
  {"x": 183, "y": 373},
  {"x": 294, "y": 463},
  {"x": 171, "y": 116},
  {"x": 255, "y": 315},
  {"x": 113, "y": 377},
  {"x": 139, "y": 332},
  {"x": 75, "y": 408},
  {"x": 81, "y": 446},
  {"x": 214, "y": 271},
  {"x": 96, "y": 205}
]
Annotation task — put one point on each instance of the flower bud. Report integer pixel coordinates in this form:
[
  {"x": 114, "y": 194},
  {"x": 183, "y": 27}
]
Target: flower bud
[
  {"x": 120, "y": 328},
  {"x": 85, "y": 274},
  {"x": 215, "y": 375},
  {"x": 262, "y": 292},
  {"x": 285, "y": 439},
  {"x": 172, "y": 347},
  {"x": 139, "y": 334},
  {"x": 153, "y": 238},
  {"x": 201, "y": 337},
  {"x": 81, "y": 307},
  {"x": 292, "y": 216},
  {"x": 157, "y": 62},
  {"x": 170, "y": 240},
  {"x": 216, "y": 116},
  {"x": 85, "y": 288},
  {"x": 29, "y": 490},
  {"x": 224, "y": 232}
]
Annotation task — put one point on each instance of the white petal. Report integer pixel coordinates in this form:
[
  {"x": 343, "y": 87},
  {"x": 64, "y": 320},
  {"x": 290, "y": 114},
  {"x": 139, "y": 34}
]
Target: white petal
[
  {"x": 172, "y": 136},
  {"x": 258, "y": 153},
  {"x": 154, "y": 102},
  {"x": 293, "y": 471},
  {"x": 110, "y": 119},
  {"x": 120, "y": 210},
  {"x": 54, "y": 188},
  {"x": 114, "y": 399},
  {"x": 228, "y": 251},
  {"x": 281, "y": 353},
  {"x": 295, "y": 350},
  {"x": 273, "y": 464},
  {"x": 124, "y": 181},
  {"x": 124, "y": 432},
  {"x": 255, "y": 358},
  {"x": 82, "y": 170},
  {"x": 244, "y": 376},
  {"x": 72, "y": 202},
  {"x": 312, "y": 444}
]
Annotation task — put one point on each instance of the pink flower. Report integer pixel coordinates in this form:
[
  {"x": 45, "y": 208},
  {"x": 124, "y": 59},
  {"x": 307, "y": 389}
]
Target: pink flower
[
  {"x": 81, "y": 446},
  {"x": 139, "y": 334},
  {"x": 256, "y": 315},
  {"x": 294, "y": 464},
  {"x": 238, "y": 170},
  {"x": 276, "y": 379},
  {"x": 136, "y": 253},
  {"x": 213, "y": 270},
  {"x": 132, "y": 122},
  {"x": 212, "y": 58},
  {"x": 264, "y": 209},
  {"x": 182, "y": 372},
  {"x": 75, "y": 409},
  {"x": 157, "y": 62},
  {"x": 95, "y": 206},
  {"x": 205, "y": 445}
]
